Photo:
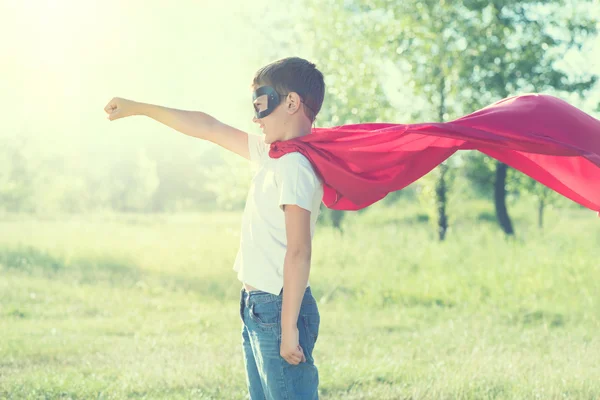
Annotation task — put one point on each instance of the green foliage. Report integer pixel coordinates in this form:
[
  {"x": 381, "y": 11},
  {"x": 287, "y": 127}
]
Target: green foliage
[
  {"x": 408, "y": 193},
  {"x": 34, "y": 181},
  {"x": 429, "y": 197},
  {"x": 229, "y": 182},
  {"x": 134, "y": 182},
  {"x": 38, "y": 183},
  {"x": 17, "y": 175},
  {"x": 183, "y": 180},
  {"x": 479, "y": 170},
  {"x": 342, "y": 46},
  {"x": 515, "y": 47}
]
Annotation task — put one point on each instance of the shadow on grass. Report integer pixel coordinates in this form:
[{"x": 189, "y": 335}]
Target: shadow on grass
[
  {"x": 530, "y": 318},
  {"x": 86, "y": 269},
  {"x": 105, "y": 269},
  {"x": 28, "y": 259},
  {"x": 381, "y": 298}
]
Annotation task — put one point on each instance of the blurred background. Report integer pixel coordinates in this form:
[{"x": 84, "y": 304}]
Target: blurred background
[{"x": 412, "y": 61}]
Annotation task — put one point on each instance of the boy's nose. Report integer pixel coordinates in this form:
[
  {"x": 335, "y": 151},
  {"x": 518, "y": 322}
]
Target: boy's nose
[{"x": 255, "y": 120}]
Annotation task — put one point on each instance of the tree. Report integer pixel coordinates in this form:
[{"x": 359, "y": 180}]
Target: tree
[
  {"x": 457, "y": 56},
  {"x": 514, "y": 47},
  {"x": 134, "y": 182},
  {"x": 334, "y": 35},
  {"x": 353, "y": 38},
  {"x": 436, "y": 79},
  {"x": 17, "y": 176}
]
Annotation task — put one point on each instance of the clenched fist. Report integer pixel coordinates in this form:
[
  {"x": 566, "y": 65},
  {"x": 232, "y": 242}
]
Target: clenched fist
[{"x": 120, "y": 108}]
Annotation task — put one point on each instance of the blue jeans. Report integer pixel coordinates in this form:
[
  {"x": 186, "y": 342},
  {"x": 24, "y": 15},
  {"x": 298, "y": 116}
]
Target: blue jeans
[{"x": 268, "y": 375}]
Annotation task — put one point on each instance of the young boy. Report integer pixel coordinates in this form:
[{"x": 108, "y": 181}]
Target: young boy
[{"x": 280, "y": 318}]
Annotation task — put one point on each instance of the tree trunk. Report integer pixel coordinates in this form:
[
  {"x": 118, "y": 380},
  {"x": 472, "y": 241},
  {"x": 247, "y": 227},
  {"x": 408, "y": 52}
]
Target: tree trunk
[
  {"x": 441, "y": 190},
  {"x": 441, "y": 187},
  {"x": 336, "y": 219},
  {"x": 500, "y": 198},
  {"x": 541, "y": 205}
]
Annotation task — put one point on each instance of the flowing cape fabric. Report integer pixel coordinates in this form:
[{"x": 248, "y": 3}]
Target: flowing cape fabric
[{"x": 542, "y": 136}]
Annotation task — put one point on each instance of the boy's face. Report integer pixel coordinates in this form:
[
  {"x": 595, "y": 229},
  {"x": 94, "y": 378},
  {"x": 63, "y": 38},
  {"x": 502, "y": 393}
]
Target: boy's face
[{"x": 272, "y": 125}]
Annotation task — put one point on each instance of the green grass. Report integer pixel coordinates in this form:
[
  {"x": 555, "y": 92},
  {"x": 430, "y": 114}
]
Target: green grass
[{"x": 113, "y": 306}]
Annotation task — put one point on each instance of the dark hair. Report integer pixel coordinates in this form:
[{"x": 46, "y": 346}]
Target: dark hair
[{"x": 294, "y": 74}]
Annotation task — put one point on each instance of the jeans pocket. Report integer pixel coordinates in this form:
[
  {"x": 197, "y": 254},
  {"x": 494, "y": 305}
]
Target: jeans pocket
[
  {"x": 265, "y": 315},
  {"x": 242, "y": 307},
  {"x": 311, "y": 323},
  {"x": 310, "y": 326}
]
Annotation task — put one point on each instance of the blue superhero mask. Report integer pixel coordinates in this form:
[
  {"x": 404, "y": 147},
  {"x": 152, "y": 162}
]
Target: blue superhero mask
[{"x": 269, "y": 98}]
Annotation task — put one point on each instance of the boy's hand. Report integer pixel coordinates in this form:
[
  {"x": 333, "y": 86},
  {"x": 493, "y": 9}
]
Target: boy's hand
[
  {"x": 120, "y": 108},
  {"x": 290, "y": 348}
]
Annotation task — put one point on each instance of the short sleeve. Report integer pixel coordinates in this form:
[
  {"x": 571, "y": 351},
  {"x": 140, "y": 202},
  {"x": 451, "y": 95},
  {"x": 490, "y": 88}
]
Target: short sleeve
[
  {"x": 296, "y": 181},
  {"x": 257, "y": 148}
]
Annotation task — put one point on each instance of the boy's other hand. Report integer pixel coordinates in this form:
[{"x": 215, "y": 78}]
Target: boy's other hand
[
  {"x": 290, "y": 348},
  {"x": 120, "y": 108}
]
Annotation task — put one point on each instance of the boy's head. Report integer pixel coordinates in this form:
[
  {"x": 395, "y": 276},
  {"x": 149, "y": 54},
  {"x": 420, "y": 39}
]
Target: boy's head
[{"x": 288, "y": 95}]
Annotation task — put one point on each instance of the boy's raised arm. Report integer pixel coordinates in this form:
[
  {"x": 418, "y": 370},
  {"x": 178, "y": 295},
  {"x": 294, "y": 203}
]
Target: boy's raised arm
[{"x": 191, "y": 123}]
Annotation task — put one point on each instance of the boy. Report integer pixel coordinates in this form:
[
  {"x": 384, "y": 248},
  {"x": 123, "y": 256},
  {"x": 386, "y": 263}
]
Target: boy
[{"x": 279, "y": 327}]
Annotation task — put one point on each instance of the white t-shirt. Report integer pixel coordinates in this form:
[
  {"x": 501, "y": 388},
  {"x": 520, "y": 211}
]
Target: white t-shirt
[{"x": 289, "y": 179}]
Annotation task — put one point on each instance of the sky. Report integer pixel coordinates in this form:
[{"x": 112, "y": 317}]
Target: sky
[{"x": 63, "y": 60}]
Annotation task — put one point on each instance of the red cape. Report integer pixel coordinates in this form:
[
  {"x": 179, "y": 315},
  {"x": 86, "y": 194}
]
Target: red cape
[{"x": 540, "y": 135}]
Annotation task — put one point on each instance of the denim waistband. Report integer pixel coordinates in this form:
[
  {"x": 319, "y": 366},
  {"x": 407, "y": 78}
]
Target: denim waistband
[{"x": 258, "y": 296}]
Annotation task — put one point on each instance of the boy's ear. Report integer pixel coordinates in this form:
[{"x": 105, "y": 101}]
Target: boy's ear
[{"x": 292, "y": 102}]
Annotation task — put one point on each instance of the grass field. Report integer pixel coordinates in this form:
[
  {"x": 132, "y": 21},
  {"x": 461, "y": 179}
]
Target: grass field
[{"x": 129, "y": 306}]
